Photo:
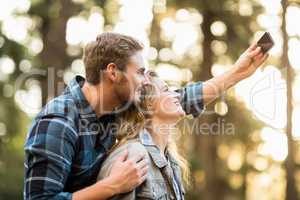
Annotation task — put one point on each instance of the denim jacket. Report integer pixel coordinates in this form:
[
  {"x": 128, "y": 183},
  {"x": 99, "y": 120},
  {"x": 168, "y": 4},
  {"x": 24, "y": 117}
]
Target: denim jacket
[{"x": 163, "y": 181}]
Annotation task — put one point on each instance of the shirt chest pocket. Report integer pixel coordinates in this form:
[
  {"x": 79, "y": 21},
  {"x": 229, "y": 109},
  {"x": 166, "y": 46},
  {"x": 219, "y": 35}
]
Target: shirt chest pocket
[{"x": 155, "y": 190}]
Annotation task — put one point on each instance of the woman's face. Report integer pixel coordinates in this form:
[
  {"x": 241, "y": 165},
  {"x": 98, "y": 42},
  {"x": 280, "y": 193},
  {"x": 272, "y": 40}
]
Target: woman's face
[{"x": 166, "y": 103}]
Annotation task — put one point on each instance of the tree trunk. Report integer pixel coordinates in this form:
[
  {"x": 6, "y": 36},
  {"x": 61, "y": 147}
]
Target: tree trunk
[
  {"x": 54, "y": 56},
  {"x": 206, "y": 143},
  {"x": 291, "y": 191},
  {"x": 155, "y": 32}
]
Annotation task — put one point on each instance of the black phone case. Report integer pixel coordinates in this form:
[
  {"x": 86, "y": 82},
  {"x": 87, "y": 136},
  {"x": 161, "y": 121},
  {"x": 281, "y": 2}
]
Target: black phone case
[{"x": 265, "y": 42}]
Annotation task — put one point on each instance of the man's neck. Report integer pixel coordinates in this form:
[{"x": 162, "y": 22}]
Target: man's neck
[
  {"x": 160, "y": 131},
  {"x": 101, "y": 97}
]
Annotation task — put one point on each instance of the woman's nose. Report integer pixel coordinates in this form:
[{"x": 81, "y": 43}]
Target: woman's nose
[{"x": 176, "y": 95}]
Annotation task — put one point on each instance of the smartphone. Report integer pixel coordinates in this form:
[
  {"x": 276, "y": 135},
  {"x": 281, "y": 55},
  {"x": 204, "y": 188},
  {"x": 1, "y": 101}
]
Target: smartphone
[{"x": 265, "y": 42}]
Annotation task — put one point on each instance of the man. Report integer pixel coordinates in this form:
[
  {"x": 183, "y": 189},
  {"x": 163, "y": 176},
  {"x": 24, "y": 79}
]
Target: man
[{"x": 70, "y": 138}]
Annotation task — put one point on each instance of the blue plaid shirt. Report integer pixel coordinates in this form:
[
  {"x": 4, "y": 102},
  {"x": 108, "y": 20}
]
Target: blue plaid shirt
[{"x": 67, "y": 143}]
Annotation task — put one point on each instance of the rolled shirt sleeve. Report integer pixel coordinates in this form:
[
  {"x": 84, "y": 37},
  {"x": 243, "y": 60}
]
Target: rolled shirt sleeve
[
  {"x": 49, "y": 151},
  {"x": 192, "y": 99}
]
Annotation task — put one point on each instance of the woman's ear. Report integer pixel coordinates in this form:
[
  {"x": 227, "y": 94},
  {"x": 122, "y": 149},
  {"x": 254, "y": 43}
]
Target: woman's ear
[{"x": 150, "y": 104}]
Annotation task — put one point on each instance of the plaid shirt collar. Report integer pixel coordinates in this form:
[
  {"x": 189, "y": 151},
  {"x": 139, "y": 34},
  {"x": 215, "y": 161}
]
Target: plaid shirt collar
[{"x": 83, "y": 106}]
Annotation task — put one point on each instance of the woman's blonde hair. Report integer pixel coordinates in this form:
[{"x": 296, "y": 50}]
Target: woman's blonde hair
[{"x": 134, "y": 120}]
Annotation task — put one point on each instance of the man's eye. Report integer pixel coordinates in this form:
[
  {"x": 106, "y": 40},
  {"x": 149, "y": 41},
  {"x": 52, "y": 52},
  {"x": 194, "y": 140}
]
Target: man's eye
[{"x": 141, "y": 72}]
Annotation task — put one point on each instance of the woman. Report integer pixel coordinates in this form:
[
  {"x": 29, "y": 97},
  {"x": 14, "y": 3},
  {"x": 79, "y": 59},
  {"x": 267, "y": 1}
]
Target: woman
[{"x": 147, "y": 128}]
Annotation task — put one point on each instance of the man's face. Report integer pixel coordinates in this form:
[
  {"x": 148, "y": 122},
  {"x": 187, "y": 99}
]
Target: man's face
[{"x": 132, "y": 78}]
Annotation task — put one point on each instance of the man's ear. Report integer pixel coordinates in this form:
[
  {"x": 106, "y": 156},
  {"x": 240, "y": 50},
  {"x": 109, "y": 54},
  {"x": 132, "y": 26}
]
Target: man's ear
[{"x": 112, "y": 72}]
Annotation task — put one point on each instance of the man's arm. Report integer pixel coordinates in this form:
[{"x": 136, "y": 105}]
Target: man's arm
[
  {"x": 49, "y": 152},
  {"x": 244, "y": 67}
]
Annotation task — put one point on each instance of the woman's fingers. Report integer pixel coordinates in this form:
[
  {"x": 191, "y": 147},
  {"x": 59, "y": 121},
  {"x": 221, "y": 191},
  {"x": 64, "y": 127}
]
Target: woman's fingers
[
  {"x": 255, "y": 52},
  {"x": 252, "y": 47},
  {"x": 261, "y": 59},
  {"x": 259, "y": 56},
  {"x": 264, "y": 58}
]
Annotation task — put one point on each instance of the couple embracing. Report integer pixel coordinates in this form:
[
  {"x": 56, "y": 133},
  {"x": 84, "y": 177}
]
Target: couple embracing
[{"x": 110, "y": 135}]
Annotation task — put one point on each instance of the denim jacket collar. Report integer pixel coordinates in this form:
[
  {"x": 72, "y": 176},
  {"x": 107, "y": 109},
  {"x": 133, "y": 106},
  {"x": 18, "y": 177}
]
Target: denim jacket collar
[{"x": 159, "y": 160}]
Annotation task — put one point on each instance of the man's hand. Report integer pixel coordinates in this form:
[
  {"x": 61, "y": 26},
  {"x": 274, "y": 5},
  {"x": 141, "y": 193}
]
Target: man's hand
[
  {"x": 127, "y": 174},
  {"x": 249, "y": 61}
]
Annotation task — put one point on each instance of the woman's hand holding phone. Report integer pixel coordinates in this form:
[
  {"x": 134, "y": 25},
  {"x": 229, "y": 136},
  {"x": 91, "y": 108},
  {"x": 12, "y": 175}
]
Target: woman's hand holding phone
[{"x": 253, "y": 57}]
